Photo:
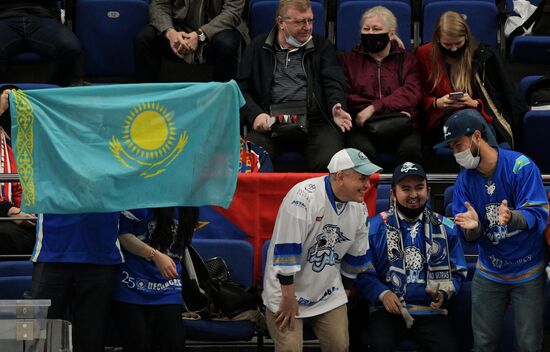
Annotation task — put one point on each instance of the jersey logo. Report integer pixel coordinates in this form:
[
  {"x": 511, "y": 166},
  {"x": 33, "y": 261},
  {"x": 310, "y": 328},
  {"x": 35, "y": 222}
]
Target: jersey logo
[
  {"x": 490, "y": 187},
  {"x": 322, "y": 252}
]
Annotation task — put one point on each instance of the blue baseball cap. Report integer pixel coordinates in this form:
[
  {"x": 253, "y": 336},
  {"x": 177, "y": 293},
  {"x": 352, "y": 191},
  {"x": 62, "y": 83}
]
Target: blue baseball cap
[
  {"x": 408, "y": 169},
  {"x": 351, "y": 158},
  {"x": 461, "y": 123}
]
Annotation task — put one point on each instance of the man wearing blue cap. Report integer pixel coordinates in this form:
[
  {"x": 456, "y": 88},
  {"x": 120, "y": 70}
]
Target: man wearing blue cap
[
  {"x": 499, "y": 201},
  {"x": 318, "y": 246},
  {"x": 415, "y": 264}
]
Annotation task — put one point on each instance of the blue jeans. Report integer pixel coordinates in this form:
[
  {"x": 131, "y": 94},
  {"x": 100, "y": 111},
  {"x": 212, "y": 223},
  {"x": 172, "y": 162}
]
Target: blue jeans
[
  {"x": 489, "y": 303},
  {"x": 46, "y": 37}
]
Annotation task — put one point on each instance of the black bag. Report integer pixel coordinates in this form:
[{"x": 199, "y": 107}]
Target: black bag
[
  {"x": 392, "y": 124},
  {"x": 212, "y": 293},
  {"x": 540, "y": 20},
  {"x": 538, "y": 93},
  {"x": 388, "y": 125},
  {"x": 290, "y": 121}
]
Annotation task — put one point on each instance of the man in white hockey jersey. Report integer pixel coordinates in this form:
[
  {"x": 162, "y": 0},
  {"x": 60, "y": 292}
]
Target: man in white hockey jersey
[{"x": 318, "y": 246}]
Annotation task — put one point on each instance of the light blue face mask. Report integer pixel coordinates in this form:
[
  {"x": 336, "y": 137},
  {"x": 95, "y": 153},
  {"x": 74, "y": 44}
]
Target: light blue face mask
[{"x": 290, "y": 40}]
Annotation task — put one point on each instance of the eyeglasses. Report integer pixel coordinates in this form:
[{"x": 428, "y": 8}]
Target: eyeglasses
[{"x": 300, "y": 23}]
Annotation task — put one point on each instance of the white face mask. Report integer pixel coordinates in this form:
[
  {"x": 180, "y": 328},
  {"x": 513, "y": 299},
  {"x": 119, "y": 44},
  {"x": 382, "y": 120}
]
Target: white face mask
[
  {"x": 466, "y": 159},
  {"x": 290, "y": 40}
]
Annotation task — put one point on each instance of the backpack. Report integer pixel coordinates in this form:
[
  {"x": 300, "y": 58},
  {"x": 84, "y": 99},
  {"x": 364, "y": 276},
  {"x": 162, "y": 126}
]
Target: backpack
[
  {"x": 540, "y": 20},
  {"x": 538, "y": 93},
  {"x": 208, "y": 289}
]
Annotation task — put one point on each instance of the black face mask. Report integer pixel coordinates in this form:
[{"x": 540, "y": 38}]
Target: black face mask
[
  {"x": 408, "y": 212},
  {"x": 453, "y": 54},
  {"x": 375, "y": 43}
]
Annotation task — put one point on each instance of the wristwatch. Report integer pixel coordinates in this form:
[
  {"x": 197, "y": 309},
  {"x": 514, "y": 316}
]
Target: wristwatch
[{"x": 202, "y": 36}]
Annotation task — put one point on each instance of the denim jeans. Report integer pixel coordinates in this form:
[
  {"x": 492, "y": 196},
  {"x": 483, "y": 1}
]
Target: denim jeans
[
  {"x": 489, "y": 303},
  {"x": 46, "y": 37}
]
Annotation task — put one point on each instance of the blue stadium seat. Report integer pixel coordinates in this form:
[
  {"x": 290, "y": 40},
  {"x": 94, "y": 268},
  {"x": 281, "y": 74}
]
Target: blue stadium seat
[
  {"x": 526, "y": 82},
  {"x": 536, "y": 124},
  {"x": 531, "y": 49},
  {"x": 16, "y": 268},
  {"x": 383, "y": 197},
  {"x": 262, "y": 17},
  {"x": 15, "y": 287},
  {"x": 106, "y": 30},
  {"x": 28, "y": 57},
  {"x": 239, "y": 256},
  {"x": 349, "y": 17},
  {"x": 482, "y": 18}
]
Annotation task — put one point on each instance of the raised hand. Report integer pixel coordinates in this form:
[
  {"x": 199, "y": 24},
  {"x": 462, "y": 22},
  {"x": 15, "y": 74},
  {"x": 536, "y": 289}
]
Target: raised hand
[
  {"x": 504, "y": 213},
  {"x": 468, "y": 220}
]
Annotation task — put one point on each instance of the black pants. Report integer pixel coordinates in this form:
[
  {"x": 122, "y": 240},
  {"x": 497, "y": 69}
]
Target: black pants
[
  {"x": 16, "y": 239},
  {"x": 408, "y": 148},
  {"x": 144, "y": 328},
  {"x": 433, "y": 333},
  {"x": 83, "y": 289},
  {"x": 322, "y": 142},
  {"x": 45, "y": 36},
  {"x": 222, "y": 51}
]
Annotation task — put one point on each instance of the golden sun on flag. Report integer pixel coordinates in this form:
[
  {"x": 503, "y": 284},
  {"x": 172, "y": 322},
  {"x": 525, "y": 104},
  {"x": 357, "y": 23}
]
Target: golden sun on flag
[
  {"x": 149, "y": 131},
  {"x": 149, "y": 140}
]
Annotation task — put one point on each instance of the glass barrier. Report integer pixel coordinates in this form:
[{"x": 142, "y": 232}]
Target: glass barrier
[{"x": 25, "y": 328}]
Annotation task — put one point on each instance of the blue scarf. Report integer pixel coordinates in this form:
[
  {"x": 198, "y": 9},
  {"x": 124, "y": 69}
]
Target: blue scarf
[{"x": 437, "y": 254}]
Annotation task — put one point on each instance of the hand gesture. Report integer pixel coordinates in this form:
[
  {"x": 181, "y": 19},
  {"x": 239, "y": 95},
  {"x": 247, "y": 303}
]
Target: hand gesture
[
  {"x": 504, "y": 213},
  {"x": 341, "y": 118},
  {"x": 5, "y": 101},
  {"x": 261, "y": 123},
  {"x": 177, "y": 42},
  {"x": 391, "y": 302},
  {"x": 445, "y": 102},
  {"x": 438, "y": 297},
  {"x": 466, "y": 100},
  {"x": 285, "y": 317},
  {"x": 191, "y": 42},
  {"x": 468, "y": 220},
  {"x": 166, "y": 265},
  {"x": 17, "y": 212},
  {"x": 364, "y": 115}
]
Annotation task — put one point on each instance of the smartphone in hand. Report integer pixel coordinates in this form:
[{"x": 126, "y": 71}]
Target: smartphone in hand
[{"x": 456, "y": 95}]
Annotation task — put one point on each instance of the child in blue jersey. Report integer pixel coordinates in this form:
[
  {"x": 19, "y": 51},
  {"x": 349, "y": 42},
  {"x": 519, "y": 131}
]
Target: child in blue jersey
[
  {"x": 76, "y": 259},
  {"x": 148, "y": 292},
  {"x": 499, "y": 202}
]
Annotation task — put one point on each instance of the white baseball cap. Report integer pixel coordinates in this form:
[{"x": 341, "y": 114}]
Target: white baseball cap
[{"x": 351, "y": 158}]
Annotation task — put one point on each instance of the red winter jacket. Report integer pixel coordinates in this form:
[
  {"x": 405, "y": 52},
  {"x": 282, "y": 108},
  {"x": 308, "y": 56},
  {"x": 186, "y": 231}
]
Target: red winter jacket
[{"x": 378, "y": 84}]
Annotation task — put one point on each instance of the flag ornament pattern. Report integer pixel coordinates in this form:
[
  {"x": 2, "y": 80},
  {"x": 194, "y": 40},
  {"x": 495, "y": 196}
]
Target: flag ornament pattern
[
  {"x": 126, "y": 146},
  {"x": 150, "y": 139},
  {"x": 24, "y": 145}
]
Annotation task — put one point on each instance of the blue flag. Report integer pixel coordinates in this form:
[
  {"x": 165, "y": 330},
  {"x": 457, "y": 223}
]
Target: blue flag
[{"x": 115, "y": 147}]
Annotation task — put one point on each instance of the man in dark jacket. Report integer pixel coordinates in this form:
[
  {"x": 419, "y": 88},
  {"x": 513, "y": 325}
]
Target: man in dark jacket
[
  {"x": 291, "y": 64},
  {"x": 33, "y": 25},
  {"x": 197, "y": 31}
]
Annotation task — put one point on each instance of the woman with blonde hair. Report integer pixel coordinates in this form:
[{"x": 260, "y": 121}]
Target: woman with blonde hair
[
  {"x": 461, "y": 73},
  {"x": 382, "y": 82}
]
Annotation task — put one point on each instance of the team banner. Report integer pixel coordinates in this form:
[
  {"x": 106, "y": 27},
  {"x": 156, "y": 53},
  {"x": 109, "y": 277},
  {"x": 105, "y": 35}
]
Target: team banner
[{"x": 115, "y": 147}]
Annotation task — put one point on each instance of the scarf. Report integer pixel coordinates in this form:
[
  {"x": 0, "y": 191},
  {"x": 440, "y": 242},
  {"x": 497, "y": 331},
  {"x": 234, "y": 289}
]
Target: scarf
[{"x": 437, "y": 254}]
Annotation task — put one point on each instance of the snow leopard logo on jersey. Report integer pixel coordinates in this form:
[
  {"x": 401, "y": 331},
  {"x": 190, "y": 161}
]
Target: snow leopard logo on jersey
[
  {"x": 322, "y": 252},
  {"x": 414, "y": 262},
  {"x": 393, "y": 243}
]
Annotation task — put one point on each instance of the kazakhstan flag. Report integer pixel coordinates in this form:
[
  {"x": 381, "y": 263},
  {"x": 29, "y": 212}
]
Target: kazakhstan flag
[{"x": 115, "y": 147}]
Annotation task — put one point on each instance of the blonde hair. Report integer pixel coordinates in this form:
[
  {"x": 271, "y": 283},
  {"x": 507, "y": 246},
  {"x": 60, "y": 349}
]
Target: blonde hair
[
  {"x": 453, "y": 25},
  {"x": 389, "y": 20},
  {"x": 301, "y": 5}
]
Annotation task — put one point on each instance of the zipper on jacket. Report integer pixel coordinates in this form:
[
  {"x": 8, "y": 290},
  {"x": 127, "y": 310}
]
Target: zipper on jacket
[{"x": 378, "y": 65}]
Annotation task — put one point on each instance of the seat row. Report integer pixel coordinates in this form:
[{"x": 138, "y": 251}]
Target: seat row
[{"x": 106, "y": 28}]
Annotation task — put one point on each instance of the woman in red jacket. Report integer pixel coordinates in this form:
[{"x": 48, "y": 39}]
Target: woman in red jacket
[
  {"x": 460, "y": 73},
  {"x": 382, "y": 78}
]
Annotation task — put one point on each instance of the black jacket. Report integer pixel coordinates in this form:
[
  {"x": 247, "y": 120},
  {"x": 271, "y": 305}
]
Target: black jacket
[
  {"x": 503, "y": 92},
  {"x": 320, "y": 61}
]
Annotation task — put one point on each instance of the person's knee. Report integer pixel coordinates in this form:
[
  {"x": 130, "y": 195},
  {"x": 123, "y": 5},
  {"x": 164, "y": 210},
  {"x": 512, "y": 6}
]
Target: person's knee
[
  {"x": 226, "y": 45},
  {"x": 145, "y": 38}
]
